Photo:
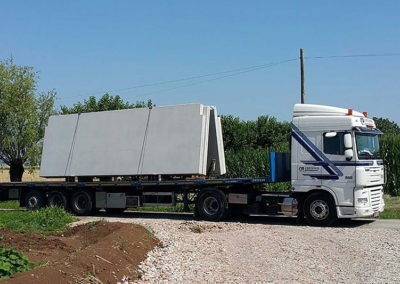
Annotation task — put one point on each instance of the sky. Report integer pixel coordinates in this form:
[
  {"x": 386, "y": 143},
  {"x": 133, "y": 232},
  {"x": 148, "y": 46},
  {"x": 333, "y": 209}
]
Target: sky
[{"x": 84, "y": 48}]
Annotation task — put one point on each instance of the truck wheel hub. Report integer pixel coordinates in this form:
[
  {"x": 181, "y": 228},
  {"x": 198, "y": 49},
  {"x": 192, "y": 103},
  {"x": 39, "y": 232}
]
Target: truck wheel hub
[
  {"x": 211, "y": 205},
  {"x": 319, "y": 209}
]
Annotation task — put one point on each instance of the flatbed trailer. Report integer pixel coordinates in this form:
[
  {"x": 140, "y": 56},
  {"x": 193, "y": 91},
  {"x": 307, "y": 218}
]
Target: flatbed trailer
[{"x": 214, "y": 199}]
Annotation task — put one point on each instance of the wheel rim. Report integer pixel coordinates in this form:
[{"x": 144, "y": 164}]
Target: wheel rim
[
  {"x": 57, "y": 201},
  {"x": 81, "y": 202},
  {"x": 211, "y": 205},
  {"x": 319, "y": 209},
  {"x": 33, "y": 202}
]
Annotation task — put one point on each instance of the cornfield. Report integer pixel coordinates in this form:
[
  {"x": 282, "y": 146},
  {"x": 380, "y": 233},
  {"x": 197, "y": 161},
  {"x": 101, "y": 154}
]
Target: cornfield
[{"x": 390, "y": 151}]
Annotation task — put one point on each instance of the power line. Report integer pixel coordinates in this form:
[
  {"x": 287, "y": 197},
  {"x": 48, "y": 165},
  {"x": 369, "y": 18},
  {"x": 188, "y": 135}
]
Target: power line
[
  {"x": 230, "y": 73},
  {"x": 234, "y": 71},
  {"x": 218, "y": 78},
  {"x": 354, "y": 55}
]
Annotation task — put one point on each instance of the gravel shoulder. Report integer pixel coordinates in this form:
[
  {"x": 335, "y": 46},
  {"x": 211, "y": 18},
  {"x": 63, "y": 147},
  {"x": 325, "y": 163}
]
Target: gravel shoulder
[{"x": 260, "y": 249}]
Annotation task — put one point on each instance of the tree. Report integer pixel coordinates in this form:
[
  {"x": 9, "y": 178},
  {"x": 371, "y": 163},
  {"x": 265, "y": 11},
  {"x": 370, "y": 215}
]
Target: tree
[
  {"x": 106, "y": 102},
  {"x": 386, "y": 126},
  {"x": 23, "y": 116}
]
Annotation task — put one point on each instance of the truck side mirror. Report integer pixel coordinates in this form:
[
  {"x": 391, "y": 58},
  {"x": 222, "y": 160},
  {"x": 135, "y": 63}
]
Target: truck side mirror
[
  {"x": 348, "y": 144},
  {"x": 348, "y": 154}
]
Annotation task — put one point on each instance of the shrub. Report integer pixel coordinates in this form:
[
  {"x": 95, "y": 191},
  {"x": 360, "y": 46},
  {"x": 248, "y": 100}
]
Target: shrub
[
  {"x": 11, "y": 262},
  {"x": 390, "y": 151}
]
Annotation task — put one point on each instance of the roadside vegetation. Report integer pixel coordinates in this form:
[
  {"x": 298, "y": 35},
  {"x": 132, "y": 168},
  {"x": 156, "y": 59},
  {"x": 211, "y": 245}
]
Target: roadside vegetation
[
  {"x": 392, "y": 207},
  {"x": 50, "y": 219},
  {"x": 12, "y": 262}
]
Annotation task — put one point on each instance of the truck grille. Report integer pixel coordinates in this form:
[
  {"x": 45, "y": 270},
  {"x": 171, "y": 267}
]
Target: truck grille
[{"x": 376, "y": 196}]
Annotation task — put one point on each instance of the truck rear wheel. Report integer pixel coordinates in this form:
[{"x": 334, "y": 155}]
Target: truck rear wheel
[
  {"x": 320, "y": 210},
  {"x": 82, "y": 203},
  {"x": 34, "y": 199},
  {"x": 210, "y": 205},
  {"x": 57, "y": 199}
]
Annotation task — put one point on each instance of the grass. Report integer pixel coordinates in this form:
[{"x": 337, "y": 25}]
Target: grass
[
  {"x": 197, "y": 229},
  {"x": 392, "y": 208},
  {"x": 10, "y": 204},
  {"x": 50, "y": 219}
]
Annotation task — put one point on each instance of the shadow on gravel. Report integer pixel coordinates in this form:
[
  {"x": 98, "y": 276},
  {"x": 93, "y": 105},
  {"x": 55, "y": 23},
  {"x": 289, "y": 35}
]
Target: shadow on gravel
[{"x": 253, "y": 219}]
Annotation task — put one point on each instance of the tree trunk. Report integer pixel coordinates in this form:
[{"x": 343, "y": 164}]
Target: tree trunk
[{"x": 16, "y": 170}]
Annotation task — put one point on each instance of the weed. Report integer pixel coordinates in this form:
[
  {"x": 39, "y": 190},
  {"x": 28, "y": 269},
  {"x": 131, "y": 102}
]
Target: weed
[
  {"x": 43, "y": 263},
  {"x": 197, "y": 229},
  {"x": 11, "y": 262},
  {"x": 122, "y": 245},
  {"x": 93, "y": 225}
]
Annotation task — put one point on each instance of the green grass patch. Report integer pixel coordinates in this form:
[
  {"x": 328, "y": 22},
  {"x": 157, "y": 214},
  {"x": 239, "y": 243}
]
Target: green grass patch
[
  {"x": 12, "y": 262},
  {"x": 50, "y": 219},
  {"x": 10, "y": 204},
  {"x": 392, "y": 207}
]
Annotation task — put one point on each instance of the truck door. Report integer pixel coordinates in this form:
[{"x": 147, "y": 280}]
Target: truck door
[
  {"x": 342, "y": 172},
  {"x": 305, "y": 161}
]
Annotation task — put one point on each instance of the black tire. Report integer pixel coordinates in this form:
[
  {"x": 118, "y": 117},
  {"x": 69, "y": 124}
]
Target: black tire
[
  {"x": 82, "y": 203},
  {"x": 115, "y": 210},
  {"x": 35, "y": 199},
  {"x": 211, "y": 205},
  {"x": 57, "y": 199},
  {"x": 320, "y": 210}
]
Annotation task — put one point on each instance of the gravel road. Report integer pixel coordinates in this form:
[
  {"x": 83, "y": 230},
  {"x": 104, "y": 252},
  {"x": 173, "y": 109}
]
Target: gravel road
[{"x": 263, "y": 250}]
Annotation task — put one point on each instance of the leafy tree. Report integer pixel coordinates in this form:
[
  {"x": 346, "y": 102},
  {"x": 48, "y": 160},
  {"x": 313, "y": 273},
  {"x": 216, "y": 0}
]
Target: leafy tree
[
  {"x": 106, "y": 102},
  {"x": 23, "y": 115},
  {"x": 386, "y": 126},
  {"x": 265, "y": 132}
]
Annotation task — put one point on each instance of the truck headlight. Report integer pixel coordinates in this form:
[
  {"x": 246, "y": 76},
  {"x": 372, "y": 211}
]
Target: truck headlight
[{"x": 363, "y": 200}]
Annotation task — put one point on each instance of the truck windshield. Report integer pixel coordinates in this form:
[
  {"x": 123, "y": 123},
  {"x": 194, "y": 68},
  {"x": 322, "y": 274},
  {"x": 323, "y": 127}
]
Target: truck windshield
[{"x": 367, "y": 146}]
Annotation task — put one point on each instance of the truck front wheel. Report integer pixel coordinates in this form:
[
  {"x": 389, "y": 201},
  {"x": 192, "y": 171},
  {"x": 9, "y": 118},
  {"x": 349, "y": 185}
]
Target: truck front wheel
[
  {"x": 82, "y": 203},
  {"x": 319, "y": 209},
  {"x": 210, "y": 205}
]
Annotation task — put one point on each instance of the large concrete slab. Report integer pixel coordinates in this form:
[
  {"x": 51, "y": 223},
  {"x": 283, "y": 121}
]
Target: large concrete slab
[
  {"x": 169, "y": 140},
  {"x": 215, "y": 145},
  {"x": 175, "y": 140},
  {"x": 57, "y": 145},
  {"x": 108, "y": 143}
]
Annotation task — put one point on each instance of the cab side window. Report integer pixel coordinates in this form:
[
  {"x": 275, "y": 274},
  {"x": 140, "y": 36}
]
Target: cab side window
[{"x": 334, "y": 145}]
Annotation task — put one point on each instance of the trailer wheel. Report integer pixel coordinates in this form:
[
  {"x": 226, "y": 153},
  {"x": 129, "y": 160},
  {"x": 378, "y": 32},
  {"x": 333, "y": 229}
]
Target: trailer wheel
[
  {"x": 82, "y": 203},
  {"x": 57, "y": 199},
  {"x": 34, "y": 199},
  {"x": 320, "y": 210},
  {"x": 210, "y": 205}
]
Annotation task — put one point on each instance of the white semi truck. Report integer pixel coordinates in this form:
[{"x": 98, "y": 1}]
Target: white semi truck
[{"x": 334, "y": 168}]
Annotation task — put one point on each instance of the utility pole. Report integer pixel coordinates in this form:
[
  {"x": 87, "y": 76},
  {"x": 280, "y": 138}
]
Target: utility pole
[{"x": 302, "y": 74}]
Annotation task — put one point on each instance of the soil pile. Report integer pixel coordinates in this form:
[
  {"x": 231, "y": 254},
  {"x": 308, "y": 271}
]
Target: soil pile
[{"x": 97, "y": 252}]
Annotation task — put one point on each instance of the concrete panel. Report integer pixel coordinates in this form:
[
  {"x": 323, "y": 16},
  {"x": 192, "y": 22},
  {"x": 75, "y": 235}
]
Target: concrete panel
[
  {"x": 215, "y": 144},
  {"x": 175, "y": 140},
  {"x": 170, "y": 140},
  {"x": 57, "y": 145},
  {"x": 108, "y": 143}
]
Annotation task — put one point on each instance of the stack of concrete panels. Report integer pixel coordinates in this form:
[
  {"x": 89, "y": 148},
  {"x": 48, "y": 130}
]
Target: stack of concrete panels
[{"x": 169, "y": 140}]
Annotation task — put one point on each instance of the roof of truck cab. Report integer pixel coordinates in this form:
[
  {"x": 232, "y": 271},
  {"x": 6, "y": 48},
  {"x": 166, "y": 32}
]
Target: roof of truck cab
[{"x": 321, "y": 110}]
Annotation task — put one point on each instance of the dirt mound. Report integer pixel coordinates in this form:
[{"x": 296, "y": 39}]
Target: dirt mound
[{"x": 102, "y": 251}]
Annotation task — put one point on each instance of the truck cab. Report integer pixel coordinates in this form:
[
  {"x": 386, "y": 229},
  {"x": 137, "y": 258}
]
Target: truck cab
[{"x": 335, "y": 160}]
